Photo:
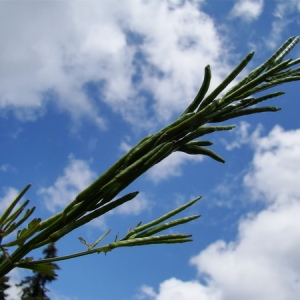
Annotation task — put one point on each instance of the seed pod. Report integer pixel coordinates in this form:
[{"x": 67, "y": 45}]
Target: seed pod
[{"x": 195, "y": 150}]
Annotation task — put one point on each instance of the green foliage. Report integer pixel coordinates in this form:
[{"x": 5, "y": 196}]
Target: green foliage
[{"x": 183, "y": 135}]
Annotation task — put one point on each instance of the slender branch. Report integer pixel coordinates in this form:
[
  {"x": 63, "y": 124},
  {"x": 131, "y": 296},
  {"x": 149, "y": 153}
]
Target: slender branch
[{"x": 180, "y": 135}]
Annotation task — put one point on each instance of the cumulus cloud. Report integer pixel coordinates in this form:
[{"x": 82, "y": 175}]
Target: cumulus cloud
[
  {"x": 54, "y": 50},
  {"x": 175, "y": 289},
  {"x": 285, "y": 13},
  {"x": 15, "y": 277},
  {"x": 77, "y": 176},
  {"x": 276, "y": 166},
  {"x": 171, "y": 166},
  {"x": 242, "y": 135},
  {"x": 134, "y": 207},
  {"x": 248, "y": 10},
  {"x": 262, "y": 262},
  {"x": 9, "y": 194}
]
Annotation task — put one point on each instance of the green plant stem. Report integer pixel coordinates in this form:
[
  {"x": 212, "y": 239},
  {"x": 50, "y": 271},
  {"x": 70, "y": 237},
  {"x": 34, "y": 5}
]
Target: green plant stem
[{"x": 98, "y": 198}]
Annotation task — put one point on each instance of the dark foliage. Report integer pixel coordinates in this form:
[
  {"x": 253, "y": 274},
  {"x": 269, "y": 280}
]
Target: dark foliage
[
  {"x": 34, "y": 287},
  {"x": 3, "y": 284}
]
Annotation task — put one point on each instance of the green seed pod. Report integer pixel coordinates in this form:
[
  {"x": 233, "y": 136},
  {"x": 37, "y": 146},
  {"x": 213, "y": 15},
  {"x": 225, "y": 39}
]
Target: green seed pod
[
  {"x": 195, "y": 150},
  {"x": 202, "y": 92}
]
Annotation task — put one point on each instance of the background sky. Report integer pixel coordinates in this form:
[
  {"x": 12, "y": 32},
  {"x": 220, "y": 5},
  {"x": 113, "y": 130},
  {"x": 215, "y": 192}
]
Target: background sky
[{"x": 83, "y": 81}]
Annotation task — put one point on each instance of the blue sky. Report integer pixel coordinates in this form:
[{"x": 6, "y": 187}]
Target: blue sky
[{"x": 83, "y": 81}]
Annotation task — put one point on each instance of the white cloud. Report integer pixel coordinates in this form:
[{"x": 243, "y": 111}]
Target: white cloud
[
  {"x": 276, "y": 166},
  {"x": 285, "y": 13},
  {"x": 77, "y": 176},
  {"x": 134, "y": 206},
  {"x": 171, "y": 166},
  {"x": 13, "y": 292},
  {"x": 54, "y": 48},
  {"x": 175, "y": 289},
  {"x": 286, "y": 7},
  {"x": 10, "y": 194},
  {"x": 248, "y": 10},
  {"x": 242, "y": 135},
  {"x": 262, "y": 262},
  {"x": 146, "y": 291}
]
